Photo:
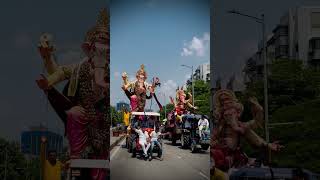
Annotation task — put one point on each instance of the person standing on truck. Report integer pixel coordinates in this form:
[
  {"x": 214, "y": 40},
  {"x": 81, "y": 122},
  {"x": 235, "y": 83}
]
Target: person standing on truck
[
  {"x": 143, "y": 136},
  {"x": 203, "y": 124}
]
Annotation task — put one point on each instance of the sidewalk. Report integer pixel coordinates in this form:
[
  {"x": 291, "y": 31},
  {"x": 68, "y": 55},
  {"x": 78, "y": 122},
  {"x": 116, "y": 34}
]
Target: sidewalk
[{"x": 115, "y": 140}]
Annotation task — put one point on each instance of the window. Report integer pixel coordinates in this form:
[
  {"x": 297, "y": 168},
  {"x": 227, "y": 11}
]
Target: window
[{"x": 315, "y": 20}]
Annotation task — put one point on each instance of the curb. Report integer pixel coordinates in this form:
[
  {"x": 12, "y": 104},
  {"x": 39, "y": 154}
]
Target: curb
[{"x": 116, "y": 142}]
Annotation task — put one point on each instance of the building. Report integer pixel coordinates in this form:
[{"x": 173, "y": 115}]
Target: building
[
  {"x": 297, "y": 36},
  {"x": 121, "y": 105},
  {"x": 31, "y": 141},
  {"x": 201, "y": 73}
]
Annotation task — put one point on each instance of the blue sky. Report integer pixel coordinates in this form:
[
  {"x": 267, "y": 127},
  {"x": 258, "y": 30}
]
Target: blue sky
[{"x": 154, "y": 33}]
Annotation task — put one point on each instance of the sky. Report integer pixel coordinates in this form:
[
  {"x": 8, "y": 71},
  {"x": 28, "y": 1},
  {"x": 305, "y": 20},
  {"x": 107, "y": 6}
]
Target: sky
[
  {"x": 162, "y": 35},
  {"x": 22, "y": 104},
  {"x": 235, "y": 38}
]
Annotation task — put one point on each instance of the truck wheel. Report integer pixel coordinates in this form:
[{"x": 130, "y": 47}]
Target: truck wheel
[
  {"x": 130, "y": 149},
  {"x": 174, "y": 141},
  {"x": 134, "y": 153},
  {"x": 205, "y": 147},
  {"x": 184, "y": 141},
  {"x": 193, "y": 146}
]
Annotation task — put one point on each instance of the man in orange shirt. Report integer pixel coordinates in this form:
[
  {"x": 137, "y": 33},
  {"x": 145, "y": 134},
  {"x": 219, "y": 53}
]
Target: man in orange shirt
[
  {"x": 52, "y": 167},
  {"x": 126, "y": 117}
]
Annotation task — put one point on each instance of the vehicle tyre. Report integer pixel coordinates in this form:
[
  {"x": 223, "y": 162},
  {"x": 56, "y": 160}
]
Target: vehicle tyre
[
  {"x": 193, "y": 146},
  {"x": 205, "y": 147},
  {"x": 174, "y": 141},
  {"x": 184, "y": 141}
]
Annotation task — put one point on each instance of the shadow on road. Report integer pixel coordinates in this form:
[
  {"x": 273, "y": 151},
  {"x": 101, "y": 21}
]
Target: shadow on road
[{"x": 170, "y": 144}]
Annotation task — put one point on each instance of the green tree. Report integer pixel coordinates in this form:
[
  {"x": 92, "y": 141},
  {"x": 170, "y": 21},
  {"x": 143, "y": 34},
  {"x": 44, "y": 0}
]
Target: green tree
[
  {"x": 201, "y": 96},
  {"x": 115, "y": 116},
  {"x": 12, "y": 160},
  {"x": 293, "y": 92},
  {"x": 169, "y": 108}
]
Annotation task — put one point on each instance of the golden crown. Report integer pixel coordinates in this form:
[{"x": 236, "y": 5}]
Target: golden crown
[{"x": 101, "y": 27}]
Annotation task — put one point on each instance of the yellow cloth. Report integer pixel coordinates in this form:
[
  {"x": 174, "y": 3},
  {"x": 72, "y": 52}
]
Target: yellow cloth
[
  {"x": 126, "y": 117},
  {"x": 218, "y": 175},
  {"x": 52, "y": 172}
]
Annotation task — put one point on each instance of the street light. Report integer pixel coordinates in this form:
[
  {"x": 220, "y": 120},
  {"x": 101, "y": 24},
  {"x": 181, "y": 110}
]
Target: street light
[
  {"x": 164, "y": 103},
  {"x": 192, "y": 83},
  {"x": 262, "y": 22}
]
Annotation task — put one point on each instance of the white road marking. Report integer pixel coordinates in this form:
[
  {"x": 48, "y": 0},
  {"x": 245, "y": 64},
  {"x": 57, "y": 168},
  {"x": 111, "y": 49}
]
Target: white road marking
[
  {"x": 117, "y": 149},
  {"x": 179, "y": 157},
  {"x": 203, "y": 175}
]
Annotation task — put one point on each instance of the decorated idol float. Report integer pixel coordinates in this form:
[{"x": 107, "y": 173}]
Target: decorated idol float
[
  {"x": 83, "y": 103},
  {"x": 229, "y": 130}
]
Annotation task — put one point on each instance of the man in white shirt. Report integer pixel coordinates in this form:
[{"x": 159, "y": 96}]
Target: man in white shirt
[
  {"x": 203, "y": 124},
  {"x": 143, "y": 136},
  {"x": 154, "y": 141}
]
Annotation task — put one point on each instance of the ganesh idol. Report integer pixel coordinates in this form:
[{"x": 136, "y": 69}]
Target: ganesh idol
[
  {"x": 182, "y": 104},
  {"x": 139, "y": 90},
  {"x": 83, "y": 104},
  {"x": 229, "y": 130}
]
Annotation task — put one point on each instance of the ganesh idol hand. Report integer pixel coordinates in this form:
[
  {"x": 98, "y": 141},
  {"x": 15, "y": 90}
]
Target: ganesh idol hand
[
  {"x": 256, "y": 107},
  {"x": 275, "y": 146}
]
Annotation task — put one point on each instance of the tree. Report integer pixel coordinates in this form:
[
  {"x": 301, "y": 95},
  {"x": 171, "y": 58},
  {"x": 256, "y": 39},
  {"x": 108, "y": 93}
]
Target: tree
[
  {"x": 201, "y": 96},
  {"x": 115, "y": 116},
  {"x": 12, "y": 160},
  {"x": 168, "y": 108},
  {"x": 293, "y": 92}
]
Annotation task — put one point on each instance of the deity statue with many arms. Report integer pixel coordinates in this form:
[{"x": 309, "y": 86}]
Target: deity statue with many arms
[
  {"x": 228, "y": 130},
  {"x": 83, "y": 106}
]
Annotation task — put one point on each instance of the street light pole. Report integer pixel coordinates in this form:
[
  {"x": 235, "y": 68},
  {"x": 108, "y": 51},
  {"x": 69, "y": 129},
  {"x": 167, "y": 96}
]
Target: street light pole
[
  {"x": 264, "y": 55},
  {"x": 264, "y": 50},
  {"x": 192, "y": 82},
  {"x": 165, "y": 107}
]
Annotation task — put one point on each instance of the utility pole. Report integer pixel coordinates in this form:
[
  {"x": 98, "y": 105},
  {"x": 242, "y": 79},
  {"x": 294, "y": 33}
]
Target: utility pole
[
  {"x": 265, "y": 78},
  {"x": 264, "y": 56},
  {"x": 192, "y": 82},
  {"x": 6, "y": 164}
]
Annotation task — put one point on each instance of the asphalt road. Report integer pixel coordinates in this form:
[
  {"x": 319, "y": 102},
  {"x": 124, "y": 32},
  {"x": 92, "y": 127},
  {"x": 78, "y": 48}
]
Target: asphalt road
[{"x": 177, "y": 164}]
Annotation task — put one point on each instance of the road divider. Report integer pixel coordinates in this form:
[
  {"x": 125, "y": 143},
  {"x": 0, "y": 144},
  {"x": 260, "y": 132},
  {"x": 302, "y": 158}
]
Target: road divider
[{"x": 121, "y": 137}]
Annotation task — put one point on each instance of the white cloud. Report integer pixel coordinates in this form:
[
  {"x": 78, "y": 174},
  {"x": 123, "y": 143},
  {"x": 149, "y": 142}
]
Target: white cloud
[
  {"x": 197, "y": 46},
  {"x": 168, "y": 88},
  {"x": 187, "y": 76}
]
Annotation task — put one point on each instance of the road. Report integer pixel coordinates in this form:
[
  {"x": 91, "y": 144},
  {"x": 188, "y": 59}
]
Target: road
[{"x": 177, "y": 164}]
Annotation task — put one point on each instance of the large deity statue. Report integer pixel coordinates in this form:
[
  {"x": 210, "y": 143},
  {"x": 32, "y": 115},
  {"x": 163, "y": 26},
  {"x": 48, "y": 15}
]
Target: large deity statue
[
  {"x": 83, "y": 107},
  {"x": 228, "y": 131},
  {"x": 182, "y": 104},
  {"x": 137, "y": 91}
]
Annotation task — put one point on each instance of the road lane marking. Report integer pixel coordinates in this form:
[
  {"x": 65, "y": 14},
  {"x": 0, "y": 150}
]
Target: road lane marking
[
  {"x": 117, "y": 149},
  {"x": 179, "y": 157},
  {"x": 203, "y": 175}
]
